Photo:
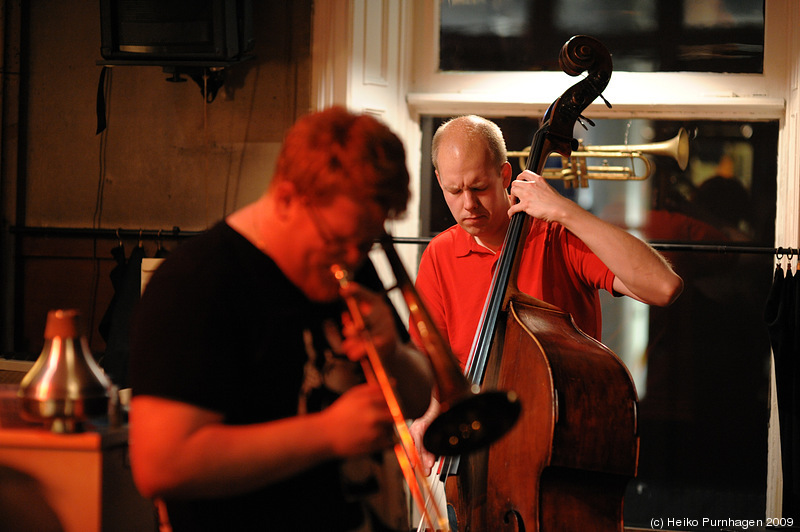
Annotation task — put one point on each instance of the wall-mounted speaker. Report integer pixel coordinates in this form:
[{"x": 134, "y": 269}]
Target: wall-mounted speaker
[{"x": 176, "y": 31}]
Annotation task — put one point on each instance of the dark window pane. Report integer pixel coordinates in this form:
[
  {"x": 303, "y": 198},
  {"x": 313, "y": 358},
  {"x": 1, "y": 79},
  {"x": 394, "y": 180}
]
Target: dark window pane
[{"x": 642, "y": 35}]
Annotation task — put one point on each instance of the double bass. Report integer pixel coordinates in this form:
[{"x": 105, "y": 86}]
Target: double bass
[{"x": 566, "y": 464}]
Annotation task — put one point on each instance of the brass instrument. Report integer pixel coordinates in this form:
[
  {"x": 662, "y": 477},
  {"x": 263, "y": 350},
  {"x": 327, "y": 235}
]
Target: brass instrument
[
  {"x": 469, "y": 419},
  {"x": 405, "y": 450},
  {"x": 575, "y": 171}
]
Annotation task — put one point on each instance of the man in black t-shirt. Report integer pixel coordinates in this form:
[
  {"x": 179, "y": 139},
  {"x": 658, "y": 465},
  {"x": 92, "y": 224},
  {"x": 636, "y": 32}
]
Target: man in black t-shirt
[{"x": 247, "y": 392}]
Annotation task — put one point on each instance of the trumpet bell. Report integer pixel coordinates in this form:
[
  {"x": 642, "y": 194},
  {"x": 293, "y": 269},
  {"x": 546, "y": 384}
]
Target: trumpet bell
[
  {"x": 680, "y": 149},
  {"x": 472, "y": 423},
  {"x": 677, "y": 148}
]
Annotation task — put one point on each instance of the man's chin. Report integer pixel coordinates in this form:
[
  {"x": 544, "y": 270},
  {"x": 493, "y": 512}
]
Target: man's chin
[
  {"x": 474, "y": 228},
  {"x": 320, "y": 296},
  {"x": 321, "y": 291}
]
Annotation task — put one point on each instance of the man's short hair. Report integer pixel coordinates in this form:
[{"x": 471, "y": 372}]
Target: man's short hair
[
  {"x": 335, "y": 151},
  {"x": 477, "y": 129}
]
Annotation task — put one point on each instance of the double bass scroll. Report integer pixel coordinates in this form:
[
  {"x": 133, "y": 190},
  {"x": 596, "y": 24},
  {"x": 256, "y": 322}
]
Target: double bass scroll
[{"x": 580, "y": 53}]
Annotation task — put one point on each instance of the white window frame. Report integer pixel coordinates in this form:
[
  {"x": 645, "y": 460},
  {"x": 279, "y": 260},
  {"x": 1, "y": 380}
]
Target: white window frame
[{"x": 632, "y": 94}]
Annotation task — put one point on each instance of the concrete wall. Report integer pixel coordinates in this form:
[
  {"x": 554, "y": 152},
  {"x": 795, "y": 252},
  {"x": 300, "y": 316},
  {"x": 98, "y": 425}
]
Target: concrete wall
[{"x": 167, "y": 158}]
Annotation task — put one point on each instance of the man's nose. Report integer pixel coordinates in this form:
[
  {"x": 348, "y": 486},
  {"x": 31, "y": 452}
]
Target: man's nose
[
  {"x": 352, "y": 254},
  {"x": 470, "y": 200}
]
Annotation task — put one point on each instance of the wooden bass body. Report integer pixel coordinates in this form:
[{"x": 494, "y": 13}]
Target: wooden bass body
[{"x": 566, "y": 464}]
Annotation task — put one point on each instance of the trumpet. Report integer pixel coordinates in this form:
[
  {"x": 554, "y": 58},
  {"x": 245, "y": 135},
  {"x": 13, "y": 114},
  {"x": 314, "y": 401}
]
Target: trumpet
[{"x": 575, "y": 171}]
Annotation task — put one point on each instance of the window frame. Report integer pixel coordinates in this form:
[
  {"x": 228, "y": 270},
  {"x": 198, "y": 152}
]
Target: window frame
[{"x": 632, "y": 94}]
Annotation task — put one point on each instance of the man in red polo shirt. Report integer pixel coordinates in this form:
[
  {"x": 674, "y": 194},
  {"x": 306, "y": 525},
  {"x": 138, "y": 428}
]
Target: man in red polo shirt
[{"x": 568, "y": 256}]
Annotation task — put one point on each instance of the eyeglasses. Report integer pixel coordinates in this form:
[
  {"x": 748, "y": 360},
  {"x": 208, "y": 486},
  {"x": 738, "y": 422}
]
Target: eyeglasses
[{"x": 335, "y": 242}]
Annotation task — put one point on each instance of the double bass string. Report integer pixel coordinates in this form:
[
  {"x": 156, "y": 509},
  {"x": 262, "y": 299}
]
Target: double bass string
[
  {"x": 437, "y": 500},
  {"x": 479, "y": 351}
]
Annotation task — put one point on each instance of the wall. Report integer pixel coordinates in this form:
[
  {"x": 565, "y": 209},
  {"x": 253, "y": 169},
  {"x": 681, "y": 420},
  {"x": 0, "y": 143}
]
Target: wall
[{"x": 168, "y": 159}]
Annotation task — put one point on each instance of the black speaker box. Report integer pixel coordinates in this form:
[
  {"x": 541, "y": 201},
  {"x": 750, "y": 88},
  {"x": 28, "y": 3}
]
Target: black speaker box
[{"x": 175, "y": 31}]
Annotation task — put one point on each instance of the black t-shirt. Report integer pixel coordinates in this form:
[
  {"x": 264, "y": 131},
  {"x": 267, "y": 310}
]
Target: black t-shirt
[{"x": 219, "y": 326}]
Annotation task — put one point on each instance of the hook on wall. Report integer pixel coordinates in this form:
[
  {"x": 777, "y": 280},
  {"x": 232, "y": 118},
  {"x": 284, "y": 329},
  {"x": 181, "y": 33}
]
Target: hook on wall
[{"x": 209, "y": 79}]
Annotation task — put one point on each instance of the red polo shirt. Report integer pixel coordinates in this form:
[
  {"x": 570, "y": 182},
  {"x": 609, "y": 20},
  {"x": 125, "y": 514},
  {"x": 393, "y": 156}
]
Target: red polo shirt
[{"x": 455, "y": 274}]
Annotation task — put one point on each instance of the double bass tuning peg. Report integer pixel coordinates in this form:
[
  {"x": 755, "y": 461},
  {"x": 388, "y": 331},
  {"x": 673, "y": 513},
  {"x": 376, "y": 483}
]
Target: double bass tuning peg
[{"x": 581, "y": 119}]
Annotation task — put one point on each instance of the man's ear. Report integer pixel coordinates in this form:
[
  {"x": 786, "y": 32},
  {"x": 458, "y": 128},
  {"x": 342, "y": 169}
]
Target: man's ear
[
  {"x": 439, "y": 179},
  {"x": 506, "y": 174},
  {"x": 286, "y": 197}
]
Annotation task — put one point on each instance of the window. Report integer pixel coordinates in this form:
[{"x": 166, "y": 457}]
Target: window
[
  {"x": 646, "y": 35},
  {"x": 701, "y": 366}
]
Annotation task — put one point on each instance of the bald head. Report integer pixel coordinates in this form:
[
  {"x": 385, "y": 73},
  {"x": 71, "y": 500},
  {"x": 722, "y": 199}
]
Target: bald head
[{"x": 471, "y": 130}]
